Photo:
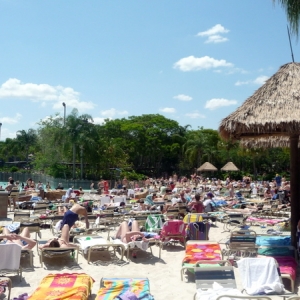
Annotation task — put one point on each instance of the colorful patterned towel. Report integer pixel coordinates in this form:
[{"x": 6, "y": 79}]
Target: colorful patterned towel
[
  {"x": 64, "y": 286},
  {"x": 114, "y": 287},
  {"x": 195, "y": 252}
]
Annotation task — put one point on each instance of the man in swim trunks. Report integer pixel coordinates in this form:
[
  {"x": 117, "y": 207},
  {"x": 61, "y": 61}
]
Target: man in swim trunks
[{"x": 71, "y": 216}]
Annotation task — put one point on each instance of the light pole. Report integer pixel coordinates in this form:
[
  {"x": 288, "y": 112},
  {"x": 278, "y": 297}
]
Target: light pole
[
  {"x": 64, "y": 105},
  {"x": 0, "y": 130}
]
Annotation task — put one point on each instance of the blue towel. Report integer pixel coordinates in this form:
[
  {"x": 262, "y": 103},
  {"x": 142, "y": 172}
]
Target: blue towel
[{"x": 273, "y": 240}]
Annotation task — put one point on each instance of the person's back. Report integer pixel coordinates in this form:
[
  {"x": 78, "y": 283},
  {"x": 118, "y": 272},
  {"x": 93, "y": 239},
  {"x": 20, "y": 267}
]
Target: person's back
[{"x": 198, "y": 205}]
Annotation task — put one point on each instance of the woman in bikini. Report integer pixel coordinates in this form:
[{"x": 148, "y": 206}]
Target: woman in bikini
[
  {"x": 62, "y": 242},
  {"x": 22, "y": 239}
]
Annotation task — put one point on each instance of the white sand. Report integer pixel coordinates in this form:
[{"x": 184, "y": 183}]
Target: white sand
[{"x": 164, "y": 273}]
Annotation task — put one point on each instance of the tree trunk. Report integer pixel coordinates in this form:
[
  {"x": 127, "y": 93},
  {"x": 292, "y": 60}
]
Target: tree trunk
[{"x": 295, "y": 188}]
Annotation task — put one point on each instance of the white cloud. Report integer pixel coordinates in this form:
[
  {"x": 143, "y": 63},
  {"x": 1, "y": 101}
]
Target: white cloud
[
  {"x": 195, "y": 115},
  {"x": 5, "y": 133},
  {"x": 213, "y": 31},
  {"x": 260, "y": 80},
  {"x": 217, "y": 103},
  {"x": 13, "y": 120},
  {"x": 213, "y": 34},
  {"x": 99, "y": 121},
  {"x": 183, "y": 97},
  {"x": 14, "y": 88},
  {"x": 192, "y": 63},
  {"x": 168, "y": 110},
  {"x": 216, "y": 39},
  {"x": 110, "y": 113}
]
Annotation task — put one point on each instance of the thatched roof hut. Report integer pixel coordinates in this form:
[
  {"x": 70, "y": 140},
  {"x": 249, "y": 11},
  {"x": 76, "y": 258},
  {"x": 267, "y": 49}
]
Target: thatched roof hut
[
  {"x": 230, "y": 166},
  {"x": 207, "y": 167},
  {"x": 274, "y": 109}
]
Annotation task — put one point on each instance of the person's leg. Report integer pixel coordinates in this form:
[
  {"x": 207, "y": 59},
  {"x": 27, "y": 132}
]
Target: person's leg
[
  {"x": 135, "y": 226},
  {"x": 5, "y": 231},
  {"x": 25, "y": 232},
  {"x": 123, "y": 229},
  {"x": 65, "y": 233}
]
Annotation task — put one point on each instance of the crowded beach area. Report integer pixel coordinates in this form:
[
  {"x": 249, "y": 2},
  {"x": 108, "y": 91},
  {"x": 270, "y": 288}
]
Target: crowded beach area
[{"x": 163, "y": 238}]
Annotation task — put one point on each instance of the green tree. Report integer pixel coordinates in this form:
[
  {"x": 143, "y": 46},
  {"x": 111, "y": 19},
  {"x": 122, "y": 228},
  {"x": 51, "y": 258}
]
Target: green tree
[{"x": 25, "y": 140}]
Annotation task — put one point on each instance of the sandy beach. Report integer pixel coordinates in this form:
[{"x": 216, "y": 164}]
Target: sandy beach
[{"x": 164, "y": 273}]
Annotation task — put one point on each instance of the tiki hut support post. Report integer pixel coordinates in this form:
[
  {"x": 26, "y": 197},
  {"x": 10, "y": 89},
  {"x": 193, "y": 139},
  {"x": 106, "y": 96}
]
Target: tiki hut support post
[{"x": 295, "y": 186}]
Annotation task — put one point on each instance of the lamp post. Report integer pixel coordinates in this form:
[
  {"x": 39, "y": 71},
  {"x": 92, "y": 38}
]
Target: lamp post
[
  {"x": 0, "y": 130},
  {"x": 64, "y": 105}
]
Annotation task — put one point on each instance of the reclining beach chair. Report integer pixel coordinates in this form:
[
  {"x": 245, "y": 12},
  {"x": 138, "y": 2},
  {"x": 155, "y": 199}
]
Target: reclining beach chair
[
  {"x": 205, "y": 277},
  {"x": 111, "y": 288},
  {"x": 5, "y": 283},
  {"x": 64, "y": 286},
  {"x": 52, "y": 252},
  {"x": 10, "y": 259},
  {"x": 154, "y": 223},
  {"x": 200, "y": 251},
  {"x": 89, "y": 243},
  {"x": 173, "y": 231},
  {"x": 260, "y": 275}
]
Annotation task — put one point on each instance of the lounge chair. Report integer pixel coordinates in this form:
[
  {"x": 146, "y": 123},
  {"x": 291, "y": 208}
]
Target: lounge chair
[
  {"x": 5, "y": 283},
  {"x": 260, "y": 275},
  {"x": 110, "y": 288},
  {"x": 205, "y": 277},
  {"x": 10, "y": 259},
  {"x": 64, "y": 286},
  {"x": 246, "y": 297},
  {"x": 51, "y": 252},
  {"x": 173, "y": 231},
  {"x": 89, "y": 243},
  {"x": 200, "y": 251}
]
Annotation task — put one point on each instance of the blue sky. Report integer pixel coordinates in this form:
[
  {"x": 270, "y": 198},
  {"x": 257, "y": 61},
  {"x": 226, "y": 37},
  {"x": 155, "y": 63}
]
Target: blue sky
[{"x": 194, "y": 61}]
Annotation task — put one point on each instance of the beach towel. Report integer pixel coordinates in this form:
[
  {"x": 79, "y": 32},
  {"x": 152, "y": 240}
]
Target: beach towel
[
  {"x": 273, "y": 240},
  {"x": 10, "y": 256},
  {"x": 115, "y": 287},
  {"x": 197, "y": 231},
  {"x": 190, "y": 218},
  {"x": 287, "y": 265},
  {"x": 171, "y": 228},
  {"x": 260, "y": 276},
  {"x": 72, "y": 286},
  {"x": 153, "y": 223},
  {"x": 87, "y": 242},
  {"x": 196, "y": 252}
]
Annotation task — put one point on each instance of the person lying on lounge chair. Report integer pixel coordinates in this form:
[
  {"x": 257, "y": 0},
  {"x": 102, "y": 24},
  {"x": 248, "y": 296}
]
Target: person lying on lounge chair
[
  {"x": 22, "y": 239},
  {"x": 126, "y": 235},
  {"x": 62, "y": 242}
]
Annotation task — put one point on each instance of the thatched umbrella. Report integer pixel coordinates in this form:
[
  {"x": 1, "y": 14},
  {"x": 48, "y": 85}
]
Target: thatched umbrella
[
  {"x": 230, "y": 166},
  {"x": 273, "y": 110},
  {"x": 207, "y": 167}
]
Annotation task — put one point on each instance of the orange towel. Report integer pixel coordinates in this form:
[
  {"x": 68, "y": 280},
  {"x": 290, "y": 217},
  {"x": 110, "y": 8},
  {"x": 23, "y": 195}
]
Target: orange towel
[{"x": 64, "y": 286}]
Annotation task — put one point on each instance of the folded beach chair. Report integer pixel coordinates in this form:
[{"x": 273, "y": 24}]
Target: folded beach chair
[
  {"x": 111, "y": 288},
  {"x": 260, "y": 275},
  {"x": 5, "y": 284},
  {"x": 200, "y": 251},
  {"x": 64, "y": 286},
  {"x": 10, "y": 259},
  {"x": 89, "y": 243}
]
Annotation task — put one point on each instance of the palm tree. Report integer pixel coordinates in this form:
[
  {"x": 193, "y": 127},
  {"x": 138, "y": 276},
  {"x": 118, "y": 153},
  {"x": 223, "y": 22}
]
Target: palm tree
[
  {"x": 25, "y": 140},
  {"x": 292, "y": 8}
]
